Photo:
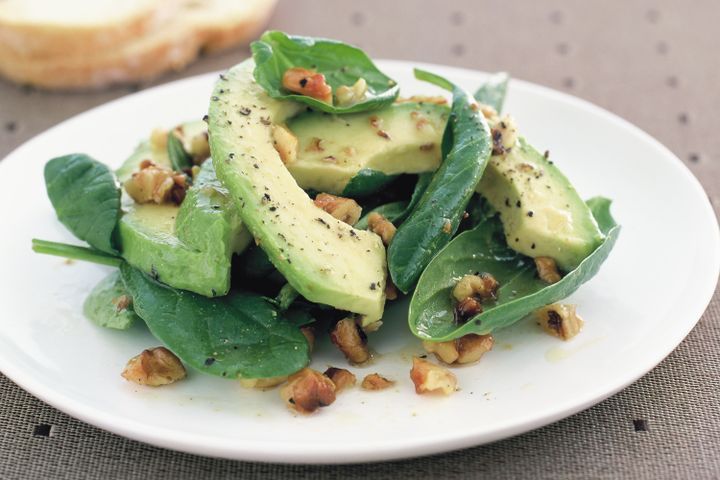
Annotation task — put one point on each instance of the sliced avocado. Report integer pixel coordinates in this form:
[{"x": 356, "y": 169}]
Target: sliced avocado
[
  {"x": 542, "y": 214},
  {"x": 188, "y": 246},
  {"x": 324, "y": 259},
  {"x": 333, "y": 149}
]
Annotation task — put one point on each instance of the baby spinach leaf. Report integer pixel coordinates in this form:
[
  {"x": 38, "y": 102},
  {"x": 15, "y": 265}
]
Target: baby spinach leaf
[
  {"x": 341, "y": 64},
  {"x": 179, "y": 158},
  {"x": 398, "y": 211},
  {"x": 434, "y": 220},
  {"x": 75, "y": 252},
  {"x": 285, "y": 297},
  {"x": 393, "y": 211},
  {"x": 366, "y": 182},
  {"x": 493, "y": 91},
  {"x": 241, "y": 334},
  {"x": 484, "y": 249},
  {"x": 86, "y": 198},
  {"x": 109, "y": 304}
]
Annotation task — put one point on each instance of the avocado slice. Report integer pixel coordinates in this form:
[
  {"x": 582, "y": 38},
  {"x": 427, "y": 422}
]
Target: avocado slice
[
  {"x": 542, "y": 214},
  {"x": 324, "y": 259},
  {"x": 188, "y": 246},
  {"x": 333, "y": 149}
]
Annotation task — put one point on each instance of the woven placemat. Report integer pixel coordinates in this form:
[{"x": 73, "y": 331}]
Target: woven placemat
[{"x": 654, "y": 63}]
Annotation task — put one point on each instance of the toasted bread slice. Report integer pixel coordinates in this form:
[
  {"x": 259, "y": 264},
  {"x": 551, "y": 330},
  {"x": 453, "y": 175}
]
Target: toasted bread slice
[{"x": 198, "y": 25}]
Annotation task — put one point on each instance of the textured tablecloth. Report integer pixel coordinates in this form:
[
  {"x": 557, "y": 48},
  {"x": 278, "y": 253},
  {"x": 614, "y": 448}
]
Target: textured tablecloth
[{"x": 655, "y": 63}]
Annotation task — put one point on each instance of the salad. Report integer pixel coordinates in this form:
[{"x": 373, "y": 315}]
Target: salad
[{"x": 308, "y": 197}]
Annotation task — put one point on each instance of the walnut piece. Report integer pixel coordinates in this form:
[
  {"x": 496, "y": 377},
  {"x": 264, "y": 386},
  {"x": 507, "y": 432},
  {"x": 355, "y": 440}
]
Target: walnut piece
[
  {"x": 343, "y": 379},
  {"x": 308, "y": 390},
  {"x": 482, "y": 286},
  {"x": 154, "y": 367},
  {"x": 344, "y": 209},
  {"x": 154, "y": 184},
  {"x": 286, "y": 143},
  {"x": 466, "y": 349},
  {"x": 547, "y": 270},
  {"x": 381, "y": 226},
  {"x": 391, "y": 292},
  {"x": 375, "y": 381},
  {"x": 351, "y": 340},
  {"x": 560, "y": 320},
  {"x": 262, "y": 383},
  {"x": 347, "y": 96},
  {"x": 307, "y": 82},
  {"x": 431, "y": 378},
  {"x": 309, "y": 333}
]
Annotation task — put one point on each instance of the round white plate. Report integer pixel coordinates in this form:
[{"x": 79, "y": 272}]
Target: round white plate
[{"x": 646, "y": 298}]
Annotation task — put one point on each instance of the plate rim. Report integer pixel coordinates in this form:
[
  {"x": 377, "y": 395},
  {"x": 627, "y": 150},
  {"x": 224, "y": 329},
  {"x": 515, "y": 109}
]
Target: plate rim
[{"x": 279, "y": 452}]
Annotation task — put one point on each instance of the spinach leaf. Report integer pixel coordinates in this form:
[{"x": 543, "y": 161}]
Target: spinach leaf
[
  {"x": 179, "y": 158},
  {"x": 393, "y": 211},
  {"x": 286, "y": 296},
  {"x": 241, "y": 334},
  {"x": 366, "y": 182},
  {"x": 493, "y": 91},
  {"x": 75, "y": 252},
  {"x": 109, "y": 304},
  {"x": 398, "y": 211},
  {"x": 434, "y": 220},
  {"x": 484, "y": 249},
  {"x": 341, "y": 64},
  {"x": 86, "y": 198}
]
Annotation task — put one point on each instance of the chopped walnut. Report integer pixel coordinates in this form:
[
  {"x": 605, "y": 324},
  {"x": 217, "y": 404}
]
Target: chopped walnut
[
  {"x": 471, "y": 347},
  {"x": 154, "y": 367},
  {"x": 375, "y": 381},
  {"x": 437, "y": 99},
  {"x": 467, "y": 307},
  {"x": 200, "y": 148},
  {"x": 381, "y": 226},
  {"x": 351, "y": 340},
  {"x": 560, "y": 320},
  {"x": 547, "y": 269},
  {"x": 343, "y": 379},
  {"x": 445, "y": 351},
  {"x": 504, "y": 135},
  {"x": 482, "y": 286},
  {"x": 347, "y": 96},
  {"x": 309, "y": 333},
  {"x": 344, "y": 209},
  {"x": 154, "y": 184},
  {"x": 123, "y": 302},
  {"x": 431, "y": 378},
  {"x": 285, "y": 142},
  {"x": 158, "y": 139},
  {"x": 307, "y": 82},
  {"x": 391, "y": 292},
  {"x": 466, "y": 349},
  {"x": 490, "y": 114},
  {"x": 262, "y": 383},
  {"x": 308, "y": 390}
]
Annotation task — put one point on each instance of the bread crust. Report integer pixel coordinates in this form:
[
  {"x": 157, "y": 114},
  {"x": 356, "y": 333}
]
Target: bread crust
[{"x": 172, "y": 47}]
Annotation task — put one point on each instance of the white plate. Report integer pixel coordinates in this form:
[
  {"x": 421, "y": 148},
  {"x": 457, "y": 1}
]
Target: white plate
[{"x": 646, "y": 298}]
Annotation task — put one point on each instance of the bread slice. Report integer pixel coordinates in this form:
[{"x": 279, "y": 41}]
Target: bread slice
[
  {"x": 196, "y": 26},
  {"x": 34, "y": 29}
]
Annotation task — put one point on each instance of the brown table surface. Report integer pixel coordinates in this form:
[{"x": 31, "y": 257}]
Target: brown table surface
[{"x": 655, "y": 63}]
